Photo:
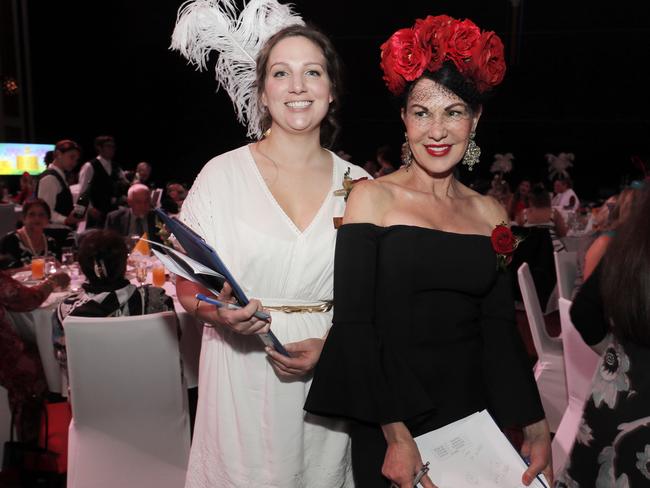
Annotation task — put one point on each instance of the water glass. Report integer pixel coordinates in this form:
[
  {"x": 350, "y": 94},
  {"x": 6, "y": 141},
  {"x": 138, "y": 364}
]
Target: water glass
[{"x": 67, "y": 256}]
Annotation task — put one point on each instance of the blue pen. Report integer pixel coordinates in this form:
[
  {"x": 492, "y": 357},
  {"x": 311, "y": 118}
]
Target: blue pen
[
  {"x": 230, "y": 306},
  {"x": 268, "y": 338}
]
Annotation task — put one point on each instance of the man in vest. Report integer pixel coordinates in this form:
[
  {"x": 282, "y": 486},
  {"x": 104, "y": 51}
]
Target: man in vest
[
  {"x": 53, "y": 187},
  {"x": 103, "y": 180}
]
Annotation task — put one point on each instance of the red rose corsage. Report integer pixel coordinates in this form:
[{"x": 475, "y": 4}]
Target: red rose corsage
[{"x": 504, "y": 243}]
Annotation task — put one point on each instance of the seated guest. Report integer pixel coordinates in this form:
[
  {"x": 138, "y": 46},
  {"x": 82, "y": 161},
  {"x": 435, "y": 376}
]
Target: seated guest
[
  {"x": 21, "y": 372},
  {"x": 611, "y": 447},
  {"x": 106, "y": 293},
  {"x": 143, "y": 175},
  {"x": 519, "y": 199},
  {"x": 30, "y": 240},
  {"x": 173, "y": 197},
  {"x": 625, "y": 202},
  {"x": 541, "y": 214},
  {"x": 26, "y": 191},
  {"x": 138, "y": 218},
  {"x": 52, "y": 186},
  {"x": 565, "y": 199}
]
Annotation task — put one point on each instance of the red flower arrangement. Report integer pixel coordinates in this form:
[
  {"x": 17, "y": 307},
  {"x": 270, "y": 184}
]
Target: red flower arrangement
[
  {"x": 432, "y": 41},
  {"x": 504, "y": 243}
]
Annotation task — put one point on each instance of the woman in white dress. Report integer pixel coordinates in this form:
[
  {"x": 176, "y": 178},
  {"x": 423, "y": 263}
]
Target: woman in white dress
[{"x": 268, "y": 209}]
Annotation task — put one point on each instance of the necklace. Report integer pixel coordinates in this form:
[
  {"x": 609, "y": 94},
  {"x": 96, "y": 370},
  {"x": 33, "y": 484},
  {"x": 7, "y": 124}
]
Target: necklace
[{"x": 27, "y": 240}]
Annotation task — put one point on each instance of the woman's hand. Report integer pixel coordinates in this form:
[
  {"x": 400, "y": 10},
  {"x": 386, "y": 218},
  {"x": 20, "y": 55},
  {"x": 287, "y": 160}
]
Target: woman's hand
[
  {"x": 242, "y": 320},
  {"x": 60, "y": 279},
  {"x": 537, "y": 447},
  {"x": 304, "y": 356},
  {"x": 402, "y": 461}
]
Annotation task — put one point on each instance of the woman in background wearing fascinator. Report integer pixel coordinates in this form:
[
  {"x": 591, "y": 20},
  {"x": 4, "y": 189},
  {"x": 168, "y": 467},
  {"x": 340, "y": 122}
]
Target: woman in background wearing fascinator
[{"x": 424, "y": 328}]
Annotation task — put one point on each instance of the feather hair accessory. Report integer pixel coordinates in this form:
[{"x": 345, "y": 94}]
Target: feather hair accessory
[
  {"x": 558, "y": 165},
  {"x": 502, "y": 163},
  {"x": 203, "y": 26}
]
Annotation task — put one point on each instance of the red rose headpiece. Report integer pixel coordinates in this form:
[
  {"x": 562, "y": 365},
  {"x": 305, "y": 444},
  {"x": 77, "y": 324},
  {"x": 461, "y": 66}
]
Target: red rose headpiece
[{"x": 477, "y": 55}]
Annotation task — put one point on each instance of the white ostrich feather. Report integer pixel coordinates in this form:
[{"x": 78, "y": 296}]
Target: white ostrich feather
[
  {"x": 203, "y": 26},
  {"x": 502, "y": 163},
  {"x": 558, "y": 165}
]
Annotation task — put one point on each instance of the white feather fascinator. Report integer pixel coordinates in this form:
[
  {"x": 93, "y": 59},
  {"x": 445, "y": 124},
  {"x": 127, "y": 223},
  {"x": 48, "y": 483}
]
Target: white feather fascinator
[
  {"x": 558, "y": 165},
  {"x": 502, "y": 163},
  {"x": 203, "y": 26}
]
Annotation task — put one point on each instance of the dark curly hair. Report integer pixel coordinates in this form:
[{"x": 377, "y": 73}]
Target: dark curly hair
[{"x": 108, "y": 247}]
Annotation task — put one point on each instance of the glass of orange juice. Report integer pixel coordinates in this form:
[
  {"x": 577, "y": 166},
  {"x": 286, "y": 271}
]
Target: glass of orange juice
[
  {"x": 38, "y": 268},
  {"x": 158, "y": 275}
]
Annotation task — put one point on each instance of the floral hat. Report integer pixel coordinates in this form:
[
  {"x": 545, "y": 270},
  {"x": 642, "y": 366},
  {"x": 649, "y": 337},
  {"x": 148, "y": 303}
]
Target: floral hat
[{"x": 431, "y": 42}]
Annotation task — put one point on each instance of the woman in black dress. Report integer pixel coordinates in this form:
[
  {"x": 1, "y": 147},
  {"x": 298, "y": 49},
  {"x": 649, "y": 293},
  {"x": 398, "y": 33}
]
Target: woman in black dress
[{"x": 424, "y": 331}]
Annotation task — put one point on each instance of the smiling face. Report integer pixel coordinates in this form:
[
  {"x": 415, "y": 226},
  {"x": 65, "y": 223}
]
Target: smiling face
[
  {"x": 297, "y": 88},
  {"x": 438, "y": 124}
]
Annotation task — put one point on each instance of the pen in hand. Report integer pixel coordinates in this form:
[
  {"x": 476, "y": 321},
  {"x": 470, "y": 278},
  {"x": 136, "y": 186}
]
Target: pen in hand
[{"x": 230, "y": 306}]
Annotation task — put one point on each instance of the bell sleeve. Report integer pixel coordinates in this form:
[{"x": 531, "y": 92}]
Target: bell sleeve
[
  {"x": 355, "y": 376},
  {"x": 510, "y": 386}
]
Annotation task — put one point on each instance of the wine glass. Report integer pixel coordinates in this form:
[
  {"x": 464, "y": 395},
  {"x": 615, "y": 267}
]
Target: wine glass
[{"x": 141, "y": 271}]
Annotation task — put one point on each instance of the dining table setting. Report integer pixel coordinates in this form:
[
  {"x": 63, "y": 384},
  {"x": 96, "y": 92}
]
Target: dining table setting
[{"x": 142, "y": 269}]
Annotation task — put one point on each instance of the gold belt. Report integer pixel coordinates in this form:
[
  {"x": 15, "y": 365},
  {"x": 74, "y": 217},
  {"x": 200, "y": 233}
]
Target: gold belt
[{"x": 315, "y": 308}]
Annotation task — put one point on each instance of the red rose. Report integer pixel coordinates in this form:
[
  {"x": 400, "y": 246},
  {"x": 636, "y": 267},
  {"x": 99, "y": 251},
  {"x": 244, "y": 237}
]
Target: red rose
[
  {"x": 503, "y": 241},
  {"x": 490, "y": 62},
  {"x": 435, "y": 32},
  {"x": 464, "y": 37},
  {"x": 394, "y": 81}
]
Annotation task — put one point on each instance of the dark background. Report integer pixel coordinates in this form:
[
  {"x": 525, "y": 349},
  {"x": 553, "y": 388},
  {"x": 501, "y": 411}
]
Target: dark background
[{"x": 576, "y": 83}]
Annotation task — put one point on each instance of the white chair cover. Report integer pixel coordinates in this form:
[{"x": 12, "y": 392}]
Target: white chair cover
[
  {"x": 580, "y": 364},
  {"x": 566, "y": 270},
  {"x": 549, "y": 369},
  {"x": 5, "y": 419},
  {"x": 130, "y": 424}
]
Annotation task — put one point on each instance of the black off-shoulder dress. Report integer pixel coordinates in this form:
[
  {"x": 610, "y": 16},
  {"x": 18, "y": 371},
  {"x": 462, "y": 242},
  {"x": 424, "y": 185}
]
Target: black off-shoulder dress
[{"x": 424, "y": 333}]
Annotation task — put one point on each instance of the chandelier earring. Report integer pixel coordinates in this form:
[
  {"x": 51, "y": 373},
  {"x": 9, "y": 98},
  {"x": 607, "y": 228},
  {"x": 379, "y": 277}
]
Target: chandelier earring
[
  {"x": 472, "y": 154},
  {"x": 407, "y": 155}
]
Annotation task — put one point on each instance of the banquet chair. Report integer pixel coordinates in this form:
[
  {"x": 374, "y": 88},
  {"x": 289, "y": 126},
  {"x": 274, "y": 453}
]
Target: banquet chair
[
  {"x": 8, "y": 218},
  {"x": 566, "y": 269},
  {"x": 549, "y": 368},
  {"x": 580, "y": 363},
  {"x": 130, "y": 423}
]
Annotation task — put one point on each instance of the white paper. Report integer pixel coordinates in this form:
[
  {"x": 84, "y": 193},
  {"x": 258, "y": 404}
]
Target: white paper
[
  {"x": 473, "y": 452},
  {"x": 173, "y": 267},
  {"x": 197, "y": 267}
]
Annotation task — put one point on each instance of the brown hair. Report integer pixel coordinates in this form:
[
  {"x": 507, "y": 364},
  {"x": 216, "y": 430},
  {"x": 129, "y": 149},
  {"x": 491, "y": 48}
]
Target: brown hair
[
  {"x": 625, "y": 282},
  {"x": 329, "y": 127},
  {"x": 37, "y": 202},
  {"x": 108, "y": 247}
]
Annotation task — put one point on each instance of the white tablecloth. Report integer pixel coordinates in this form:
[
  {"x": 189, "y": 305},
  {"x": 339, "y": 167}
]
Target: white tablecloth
[{"x": 36, "y": 326}]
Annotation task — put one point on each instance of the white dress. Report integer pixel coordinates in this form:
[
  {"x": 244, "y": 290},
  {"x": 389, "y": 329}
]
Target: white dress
[{"x": 251, "y": 429}]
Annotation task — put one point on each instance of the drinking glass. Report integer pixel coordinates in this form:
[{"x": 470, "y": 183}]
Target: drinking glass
[
  {"x": 38, "y": 268},
  {"x": 158, "y": 275}
]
